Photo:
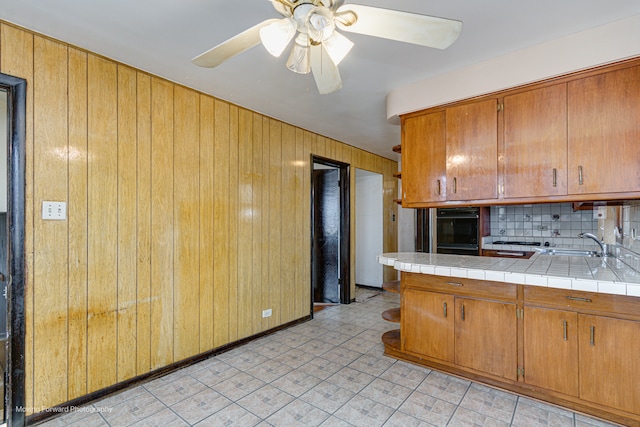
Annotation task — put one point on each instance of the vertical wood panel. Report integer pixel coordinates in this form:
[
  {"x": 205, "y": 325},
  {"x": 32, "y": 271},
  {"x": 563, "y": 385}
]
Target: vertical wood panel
[
  {"x": 206, "y": 221},
  {"x": 232, "y": 198},
  {"x": 78, "y": 153},
  {"x": 288, "y": 212},
  {"x": 102, "y": 223},
  {"x": 265, "y": 223},
  {"x": 162, "y": 227},
  {"x": 50, "y": 273},
  {"x": 143, "y": 229},
  {"x": 17, "y": 60},
  {"x": 186, "y": 211},
  {"x": 245, "y": 232},
  {"x": 221, "y": 226},
  {"x": 300, "y": 254},
  {"x": 257, "y": 214},
  {"x": 127, "y": 221},
  {"x": 275, "y": 224},
  {"x": 305, "y": 299}
]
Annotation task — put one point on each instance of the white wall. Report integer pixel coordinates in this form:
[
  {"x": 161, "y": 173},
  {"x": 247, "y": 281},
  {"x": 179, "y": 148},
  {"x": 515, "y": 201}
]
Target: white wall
[
  {"x": 369, "y": 228},
  {"x": 601, "y": 45}
]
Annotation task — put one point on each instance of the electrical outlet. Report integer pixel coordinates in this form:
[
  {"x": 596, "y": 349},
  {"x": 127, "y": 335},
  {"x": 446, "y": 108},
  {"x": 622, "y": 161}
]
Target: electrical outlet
[
  {"x": 266, "y": 313},
  {"x": 54, "y": 210}
]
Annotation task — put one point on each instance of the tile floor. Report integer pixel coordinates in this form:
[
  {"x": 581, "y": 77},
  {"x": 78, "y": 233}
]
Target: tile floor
[{"x": 326, "y": 372}]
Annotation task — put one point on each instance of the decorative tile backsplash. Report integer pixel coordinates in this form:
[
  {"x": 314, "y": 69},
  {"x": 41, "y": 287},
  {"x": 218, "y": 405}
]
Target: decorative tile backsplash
[{"x": 543, "y": 220}]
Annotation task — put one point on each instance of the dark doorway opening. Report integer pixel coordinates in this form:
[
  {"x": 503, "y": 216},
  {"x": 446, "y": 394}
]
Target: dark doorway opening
[
  {"x": 330, "y": 232},
  {"x": 13, "y": 265}
]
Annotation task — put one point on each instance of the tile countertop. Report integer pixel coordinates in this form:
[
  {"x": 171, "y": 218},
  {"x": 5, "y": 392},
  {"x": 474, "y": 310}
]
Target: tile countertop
[{"x": 606, "y": 275}]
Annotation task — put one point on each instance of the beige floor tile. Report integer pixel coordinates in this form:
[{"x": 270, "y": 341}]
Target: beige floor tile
[
  {"x": 427, "y": 408},
  {"x": 490, "y": 402},
  {"x": 351, "y": 379},
  {"x": 386, "y": 393},
  {"x": 201, "y": 405},
  {"x": 231, "y": 416},
  {"x": 265, "y": 401},
  {"x": 363, "y": 412},
  {"x": 164, "y": 418},
  {"x": 298, "y": 414},
  {"x": 444, "y": 387},
  {"x": 328, "y": 397},
  {"x": 134, "y": 410}
]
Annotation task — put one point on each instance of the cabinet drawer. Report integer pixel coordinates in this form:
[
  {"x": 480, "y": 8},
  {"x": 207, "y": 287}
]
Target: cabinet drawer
[
  {"x": 581, "y": 301},
  {"x": 460, "y": 286}
]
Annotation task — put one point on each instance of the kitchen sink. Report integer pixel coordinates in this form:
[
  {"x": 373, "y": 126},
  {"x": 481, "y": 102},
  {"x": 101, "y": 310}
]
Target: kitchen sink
[{"x": 567, "y": 252}]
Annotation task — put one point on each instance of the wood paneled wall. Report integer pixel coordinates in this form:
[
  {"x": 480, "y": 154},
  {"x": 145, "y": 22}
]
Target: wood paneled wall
[{"x": 187, "y": 216}]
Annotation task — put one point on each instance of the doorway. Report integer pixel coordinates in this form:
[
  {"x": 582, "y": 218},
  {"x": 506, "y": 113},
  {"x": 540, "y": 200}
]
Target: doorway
[
  {"x": 369, "y": 228},
  {"x": 12, "y": 236},
  {"x": 330, "y": 228}
]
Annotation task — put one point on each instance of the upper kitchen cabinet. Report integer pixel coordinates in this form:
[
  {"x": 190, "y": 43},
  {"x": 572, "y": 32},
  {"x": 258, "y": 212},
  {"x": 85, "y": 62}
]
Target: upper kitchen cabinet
[
  {"x": 423, "y": 158},
  {"x": 604, "y": 133},
  {"x": 569, "y": 138},
  {"x": 535, "y": 143},
  {"x": 472, "y": 151}
]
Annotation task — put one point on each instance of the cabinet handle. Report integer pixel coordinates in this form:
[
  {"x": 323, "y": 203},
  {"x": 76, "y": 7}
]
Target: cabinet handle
[
  {"x": 569, "y": 297},
  {"x": 439, "y": 188},
  {"x": 555, "y": 177},
  {"x": 564, "y": 329},
  {"x": 592, "y": 339},
  {"x": 462, "y": 311},
  {"x": 580, "y": 180},
  {"x": 445, "y": 309},
  {"x": 454, "y": 284},
  {"x": 455, "y": 185}
]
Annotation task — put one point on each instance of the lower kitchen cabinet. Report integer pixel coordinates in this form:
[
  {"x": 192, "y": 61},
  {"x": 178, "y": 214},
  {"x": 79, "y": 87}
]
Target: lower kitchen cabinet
[
  {"x": 610, "y": 362},
  {"x": 571, "y": 348},
  {"x": 551, "y": 349},
  {"x": 486, "y": 337},
  {"x": 428, "y": 311},
  {"x": 468, "y": 332}
]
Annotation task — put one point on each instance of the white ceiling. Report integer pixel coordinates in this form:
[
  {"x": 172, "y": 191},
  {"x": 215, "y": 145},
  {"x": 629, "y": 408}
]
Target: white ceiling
[{"x": 162, "y": 36}]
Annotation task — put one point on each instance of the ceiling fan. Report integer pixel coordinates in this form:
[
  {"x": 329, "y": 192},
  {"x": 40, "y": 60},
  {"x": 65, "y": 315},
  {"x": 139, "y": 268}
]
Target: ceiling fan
[{"x": 318, "y": 47}]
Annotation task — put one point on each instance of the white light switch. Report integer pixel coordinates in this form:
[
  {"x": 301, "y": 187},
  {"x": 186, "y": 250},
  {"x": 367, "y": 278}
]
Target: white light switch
[{"x": 54, "y": 210}]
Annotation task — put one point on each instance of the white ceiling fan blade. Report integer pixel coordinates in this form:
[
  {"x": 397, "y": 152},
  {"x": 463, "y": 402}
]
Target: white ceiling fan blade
[
  {"x": 325, "y": 72},
  {"x": 405, "y": 27},
  {"x": 232, "y": 47}
]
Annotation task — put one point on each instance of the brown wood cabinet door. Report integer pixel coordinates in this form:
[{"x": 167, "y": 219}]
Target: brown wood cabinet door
[
  {"x": 423, "y": 158},
  {"x": 604, "y": 132},
  {"x": 551, "y": 349},
  {"x": 535, "y": 140},
  {"x": 472, "y": 151},
  {"x": 486, "y": 337},
  {"x": 428, "y": 324},
  {"x": 610, "y": 362}
]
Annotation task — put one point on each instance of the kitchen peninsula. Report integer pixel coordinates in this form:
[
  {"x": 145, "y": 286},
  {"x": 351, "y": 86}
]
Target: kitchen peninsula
[{"x": 557, "y": 328}]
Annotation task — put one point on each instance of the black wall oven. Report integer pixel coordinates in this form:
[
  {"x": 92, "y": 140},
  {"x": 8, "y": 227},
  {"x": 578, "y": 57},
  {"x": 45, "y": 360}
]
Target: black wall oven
[{"x": 458, "y": 231}]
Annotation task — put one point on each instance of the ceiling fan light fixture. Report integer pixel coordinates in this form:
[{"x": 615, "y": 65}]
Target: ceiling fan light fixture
[
  {"x": 276, "y": 36},
  {"x": 299, "y": 59},
  {"x": 320, "y": 24},
  {"x": 337, "y": 46}
]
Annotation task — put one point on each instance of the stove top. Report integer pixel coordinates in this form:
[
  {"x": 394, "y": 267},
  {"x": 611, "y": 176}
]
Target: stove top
[{"x": 505, "y": 242}]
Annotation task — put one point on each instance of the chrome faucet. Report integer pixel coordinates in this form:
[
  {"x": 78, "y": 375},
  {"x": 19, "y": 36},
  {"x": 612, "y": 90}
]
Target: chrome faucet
[{"x": 603, "y": 246}]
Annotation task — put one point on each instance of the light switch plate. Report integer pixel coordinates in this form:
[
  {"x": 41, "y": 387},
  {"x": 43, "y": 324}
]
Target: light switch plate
[{"x": 54, "y": 210}]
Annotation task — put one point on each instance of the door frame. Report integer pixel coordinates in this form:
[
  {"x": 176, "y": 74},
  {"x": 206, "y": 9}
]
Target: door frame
[
  {"x": 345, "y": 226},
  {"x": 16, "y": 89}
]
